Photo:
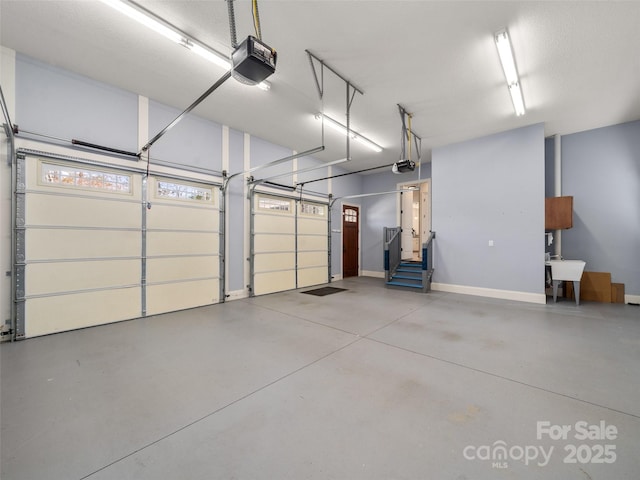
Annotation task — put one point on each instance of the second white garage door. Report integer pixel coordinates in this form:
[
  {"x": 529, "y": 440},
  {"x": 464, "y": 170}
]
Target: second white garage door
[{"x": 289, "y": 243}]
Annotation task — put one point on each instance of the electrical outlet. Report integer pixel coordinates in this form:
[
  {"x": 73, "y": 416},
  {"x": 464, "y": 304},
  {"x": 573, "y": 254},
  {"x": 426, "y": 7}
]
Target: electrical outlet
[{"x": 491, "y": 243}]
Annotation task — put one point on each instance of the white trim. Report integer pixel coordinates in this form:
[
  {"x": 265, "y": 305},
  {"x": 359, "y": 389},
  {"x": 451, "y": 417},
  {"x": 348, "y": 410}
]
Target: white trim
[
  {"x": 8, "y": 79},
  {"x": 631, "y": 298},
  {"x": 237, "y": 295},
  {"x": 336, "y": 277},
  {"x": 143, "y": 121},
  {"x": 539, "y": 298},
  {"x": 371, "y": 273},
  {"x": 294, "y": 167}
]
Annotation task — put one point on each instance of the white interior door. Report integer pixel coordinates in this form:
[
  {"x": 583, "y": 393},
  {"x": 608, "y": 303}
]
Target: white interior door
[
  {"x": 406, "y": 220},
  {"x": 425, "y": 212}
]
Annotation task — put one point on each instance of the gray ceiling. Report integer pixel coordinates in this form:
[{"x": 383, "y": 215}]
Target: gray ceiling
[{"x": 578, "y": 61}]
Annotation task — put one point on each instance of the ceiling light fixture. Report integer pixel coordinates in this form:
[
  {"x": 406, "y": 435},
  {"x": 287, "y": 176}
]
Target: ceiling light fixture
[
  {"x": 170, "y": 32},
  {"x": 510, "y": 71},
  {"x": 337, "y": 126}
]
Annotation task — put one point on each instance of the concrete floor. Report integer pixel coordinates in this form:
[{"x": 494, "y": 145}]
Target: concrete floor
[{"x": 369, "y": 383}]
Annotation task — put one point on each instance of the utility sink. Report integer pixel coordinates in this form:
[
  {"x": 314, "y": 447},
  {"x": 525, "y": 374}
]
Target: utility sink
[{"x": 567, "y": 270}]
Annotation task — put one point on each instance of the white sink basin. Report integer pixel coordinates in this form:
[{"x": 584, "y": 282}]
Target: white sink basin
[{"x": 568, "y": 270}]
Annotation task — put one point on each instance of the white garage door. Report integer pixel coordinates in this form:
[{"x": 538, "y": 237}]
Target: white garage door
[
  {"x": 81, "y": 245},
  {"x": 89, "y": 252},
  {"x": 182, "y": 245},
  {"x": 289, "y": 243}
]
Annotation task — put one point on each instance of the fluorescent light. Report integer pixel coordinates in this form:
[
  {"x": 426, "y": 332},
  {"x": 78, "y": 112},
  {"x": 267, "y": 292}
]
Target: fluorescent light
[
  {"x": 143, "y": 18},
  {"x": 158, "y": 25},
  {"x": 510, "y": 71},
  {"x": 516, "y": 98},
  {"x": 264, "y": 85},
  {"x": 209, "y": 55},
  {"x": 337, "y": 126}
]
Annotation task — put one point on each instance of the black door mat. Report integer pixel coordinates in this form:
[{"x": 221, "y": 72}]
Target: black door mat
[{"x": 321, "y": 292}]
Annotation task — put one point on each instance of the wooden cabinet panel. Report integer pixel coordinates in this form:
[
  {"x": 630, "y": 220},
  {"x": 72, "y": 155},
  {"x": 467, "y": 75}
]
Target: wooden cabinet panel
[{"x": 558, "y": 213}]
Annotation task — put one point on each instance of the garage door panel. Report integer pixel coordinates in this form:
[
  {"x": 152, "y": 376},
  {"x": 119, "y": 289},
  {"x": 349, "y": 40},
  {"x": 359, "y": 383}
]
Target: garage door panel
[
  {"x": 308, "y": 242},
  {"x": 182, "y": 268},
  {"x": 180, "y": 217},
  {"x": 182, "y": 243},
  {"x": 266, "y": 262},
  {"x": 312, "y": 259},
  {"x": 46, "y": 278},
  {"x": 312, "y": 225},
  {"x": 312, "y": 276},
  {"x": 275, "y": 243},
  {"x": 181, "y": 295},
  {"x": 88, "y": 212},
  {"x": 274, "y": 224},
  {"x": 274, "y": 282},
  {"x": 68, "y": 312},
  {"x": 55, "y": 244}
]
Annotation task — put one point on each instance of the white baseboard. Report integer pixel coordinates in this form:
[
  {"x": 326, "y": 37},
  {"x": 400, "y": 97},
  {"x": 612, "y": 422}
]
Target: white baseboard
[
  {"x": 631, "y": 298},
  {"x": 539, "y": 298},
  {"x": 336, "y": 276},
  {"x": 371, "y": 273},
  {"x": 237, "y": 295}
]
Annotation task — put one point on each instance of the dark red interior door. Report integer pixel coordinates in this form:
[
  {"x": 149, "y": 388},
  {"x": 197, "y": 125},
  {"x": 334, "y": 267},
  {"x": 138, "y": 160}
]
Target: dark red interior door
[{"x": 350, "y": 228}]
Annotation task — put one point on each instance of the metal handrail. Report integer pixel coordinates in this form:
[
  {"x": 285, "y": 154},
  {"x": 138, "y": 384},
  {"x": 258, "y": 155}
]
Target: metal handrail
[
  {"x": 392, "y": 250},
  {"x": 427, "y": 262}
]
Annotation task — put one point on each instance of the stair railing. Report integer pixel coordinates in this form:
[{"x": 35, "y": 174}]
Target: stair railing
[
  {"x": 392, "y": 251},
  {"x": 427, "y": 262}
]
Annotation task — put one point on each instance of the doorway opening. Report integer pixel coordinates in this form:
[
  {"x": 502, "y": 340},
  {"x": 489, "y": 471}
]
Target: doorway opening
[{"x": 414, "y": 214}]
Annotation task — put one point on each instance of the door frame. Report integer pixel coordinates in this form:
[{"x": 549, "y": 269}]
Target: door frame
[
  {"x": 359, "y": 207},
  {"x": 401, "y": 185}
]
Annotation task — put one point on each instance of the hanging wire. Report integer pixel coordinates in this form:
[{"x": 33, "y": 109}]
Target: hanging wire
[
  {"x": 232, "y": 24},
  {"x": 409, "y": 136},
  {"x": 256, "y": 19},
  {"x": 322, "y": 105},
  {"x": 403, "y": 134}
]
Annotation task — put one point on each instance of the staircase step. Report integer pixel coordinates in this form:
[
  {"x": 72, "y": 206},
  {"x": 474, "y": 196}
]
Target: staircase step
[
  {"x": 408, "y": 277},
  {"x": 411, "y": 265},
  {"x": 404, "y": 284},
  {"x": 412, "y": 270}
]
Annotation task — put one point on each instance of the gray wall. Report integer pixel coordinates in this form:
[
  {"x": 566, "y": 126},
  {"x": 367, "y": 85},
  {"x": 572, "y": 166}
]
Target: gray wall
[
  {"x": 194, "y": 141},
  {"x": 601, "y": 170},
  {"x": 491, "y": 188},
  {"x": 62, "y": 104},
  {"x": 53, "y": 101},
  {"x": 382, "y": 211}
]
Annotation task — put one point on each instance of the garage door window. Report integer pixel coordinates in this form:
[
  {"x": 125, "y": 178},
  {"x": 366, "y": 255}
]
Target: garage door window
[
  {"x": 181, "y": 191},
  {"x": 274, "y": 204},
  {"x": 65, "y": 176},
  {"x": 312, "y": 209}
]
